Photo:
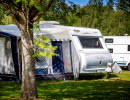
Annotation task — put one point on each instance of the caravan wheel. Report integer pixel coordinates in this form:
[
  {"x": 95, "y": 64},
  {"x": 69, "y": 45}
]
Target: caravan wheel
[{"x": 129, "y": 67}]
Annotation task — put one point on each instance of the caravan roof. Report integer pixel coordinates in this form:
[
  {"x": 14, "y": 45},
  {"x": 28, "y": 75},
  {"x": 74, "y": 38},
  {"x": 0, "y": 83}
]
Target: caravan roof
[
  {"x": 65, "y": 32},
  {"x": 84, "y": 31},
  {"x": 54, "y": 31}
]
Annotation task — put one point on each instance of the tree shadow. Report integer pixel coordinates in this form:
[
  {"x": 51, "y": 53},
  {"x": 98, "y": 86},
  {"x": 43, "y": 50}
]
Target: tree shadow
[
  {"x": 75, "y": 90},
  {"x": 94, "y": 76},
  {"x": 89, "y": 90}
]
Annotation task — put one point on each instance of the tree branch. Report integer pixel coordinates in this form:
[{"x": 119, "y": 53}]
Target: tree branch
[
  {"x": 38, "y": 16},
  {"x": 12, "y": 4}
]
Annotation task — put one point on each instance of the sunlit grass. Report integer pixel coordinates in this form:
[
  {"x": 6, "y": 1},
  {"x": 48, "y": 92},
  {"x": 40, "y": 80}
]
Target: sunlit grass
[
  {"x": 94, "y": 90},
  {"x": 9, "y": 90},
  {"x": 125, "y": 75},
  {"x": 115, "y": 88}
]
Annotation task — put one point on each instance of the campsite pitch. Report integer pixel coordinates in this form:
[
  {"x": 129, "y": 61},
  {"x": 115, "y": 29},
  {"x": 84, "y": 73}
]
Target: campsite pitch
[{"x": 115, "y": 88}]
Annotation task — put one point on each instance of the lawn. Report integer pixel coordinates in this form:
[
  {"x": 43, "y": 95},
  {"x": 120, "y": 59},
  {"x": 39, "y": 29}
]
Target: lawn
[{"x": 115, "y": 88}]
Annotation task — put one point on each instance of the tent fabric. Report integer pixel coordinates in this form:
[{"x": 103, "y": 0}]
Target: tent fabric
[
  {"x": 59, "y": 64},
  {"x": 10, "y": 30},
  {"x": 113, "y": 67},
  {"x": 11, "y": 54},
  {"x": 66, "y": 62},
  {"x": 43, "y": 67},
  {"x": 54, "y": 31},
  {"x": 8, "y": 34},
  {"x": 116, "y": 68},
  {"x": 75, "y": 61},
  {"x": 68, "y": 59},
  {"x": 8, "y": 60},
  {"x": 67, "y": 56},
  {"x": 2, "y": 42},
  {"x": 14, "y": 46},
  {"x": 60, "y": 40}
]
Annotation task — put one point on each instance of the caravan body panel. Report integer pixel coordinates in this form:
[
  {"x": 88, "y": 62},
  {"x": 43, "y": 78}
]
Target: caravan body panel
[{"x": 92, "y": 50}]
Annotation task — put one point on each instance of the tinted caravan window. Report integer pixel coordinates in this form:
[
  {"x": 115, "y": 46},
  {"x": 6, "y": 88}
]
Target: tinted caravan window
[
  {"x": 109, "y": 40},
  {"x": 111, "y": 50},
  {"x": 88, "y": 42},
  {"x": 128, "y": 47}
]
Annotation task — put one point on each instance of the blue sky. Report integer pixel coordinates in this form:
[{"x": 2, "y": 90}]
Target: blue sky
[{"x": 82, "y": 2}]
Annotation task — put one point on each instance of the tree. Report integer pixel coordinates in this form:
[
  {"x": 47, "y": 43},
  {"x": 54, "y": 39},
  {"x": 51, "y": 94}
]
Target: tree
[
  {"x": 62, "y": 12},
  {"x": 96, "y": 2},
  {"x": 104, "y": 18},
  {"x": 25, "y": 13},
  {"x": 110, "y": 3},
  {"x": 5, "y": 18},
  {"x": 123, "y": 5}
]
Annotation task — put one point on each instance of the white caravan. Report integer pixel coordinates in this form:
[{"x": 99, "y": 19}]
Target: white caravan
[
  {"x": 119, "y": 47},
  {"x": 92, "y": 54},
  {"x": 89, "y": 52}
]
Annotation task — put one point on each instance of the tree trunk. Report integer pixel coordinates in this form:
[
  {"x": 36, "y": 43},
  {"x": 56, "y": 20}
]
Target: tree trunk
[
  {"x": 25, "y": 15},
  {"x": 29, "y": 90}
]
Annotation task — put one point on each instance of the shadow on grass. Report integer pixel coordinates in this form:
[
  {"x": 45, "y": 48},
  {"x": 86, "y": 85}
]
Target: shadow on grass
[
  {"x": 86, "y": 88},
  {"x": 89, "y": 90},
  {"x": 75, "y": 90},
  {"x": 94, "y": 76}
]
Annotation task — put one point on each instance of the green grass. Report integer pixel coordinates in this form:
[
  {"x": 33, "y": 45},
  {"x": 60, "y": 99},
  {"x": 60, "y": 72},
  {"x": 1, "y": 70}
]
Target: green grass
[
  {"x": 125, "y": 75},
  {"x": 115, "y": 88}
]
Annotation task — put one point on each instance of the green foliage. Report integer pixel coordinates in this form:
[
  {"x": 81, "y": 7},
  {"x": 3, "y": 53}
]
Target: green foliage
[
  {"x": 43, "y": 47},
  {"x": 62, "y": 12},
  {"x": 110, "y": 20},
  {"x": 93, "y": 15},
  {"x": 123, "y": 5},
  {"x": 5, "y": 18},
  {"x": 104, "y": 18},
  {"x": 96, "y": 2}
]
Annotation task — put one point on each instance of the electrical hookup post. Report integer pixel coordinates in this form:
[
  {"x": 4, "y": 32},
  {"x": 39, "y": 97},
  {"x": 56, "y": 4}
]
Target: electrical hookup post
[{"x": 112, "y": 68}]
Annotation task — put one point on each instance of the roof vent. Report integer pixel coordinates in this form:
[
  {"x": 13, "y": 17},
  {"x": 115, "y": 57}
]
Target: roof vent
[{"x": 50, "y": 22}]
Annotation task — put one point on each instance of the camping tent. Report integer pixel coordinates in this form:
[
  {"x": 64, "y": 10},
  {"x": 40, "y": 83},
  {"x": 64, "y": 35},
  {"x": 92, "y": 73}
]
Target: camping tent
[{"x": 9, "y": 63}]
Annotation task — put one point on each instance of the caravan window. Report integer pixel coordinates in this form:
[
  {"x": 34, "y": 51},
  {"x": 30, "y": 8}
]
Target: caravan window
[
  {"x": 88, "y": 42},
  {"x": 128, "y": 47},
  {"x": 109, "y": 40}
]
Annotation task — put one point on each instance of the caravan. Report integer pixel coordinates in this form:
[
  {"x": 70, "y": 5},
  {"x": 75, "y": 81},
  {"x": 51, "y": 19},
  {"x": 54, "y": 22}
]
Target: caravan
[
  {"x": 88, "y": 47},
  {"x": 119, "y": 47},
  {"x": 81, "y": 50}
]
